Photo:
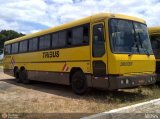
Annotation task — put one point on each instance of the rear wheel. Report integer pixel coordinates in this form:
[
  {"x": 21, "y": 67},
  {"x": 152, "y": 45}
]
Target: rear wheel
[
  {"x": 24, "y": 76},
  {"x": 16, "y": 74},
  {"x": 79, "y": 83}
]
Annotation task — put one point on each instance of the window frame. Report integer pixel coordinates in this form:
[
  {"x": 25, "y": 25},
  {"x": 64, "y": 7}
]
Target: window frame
[
  {"x": 103, "y": 36},
  {"x": 37, "y": 44},
  {"x": 71, "y": 46},
  {"x": 109, "y": 33},
  {"x": 50, "y": 35},
  {"x": 64, "y": 30},
  {"x": 43, "y": 41},
  {"x": 22, "y": 45},
  {"x": 6, "y": 47},
  {"x": 89, "y": 29},
  {"x": 14, "y": 49},
  {"x": 57, "y": 32}
]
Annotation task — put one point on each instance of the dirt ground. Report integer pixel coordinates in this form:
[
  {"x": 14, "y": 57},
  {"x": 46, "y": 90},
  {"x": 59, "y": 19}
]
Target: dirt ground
[{"x": 39, "y": 97}]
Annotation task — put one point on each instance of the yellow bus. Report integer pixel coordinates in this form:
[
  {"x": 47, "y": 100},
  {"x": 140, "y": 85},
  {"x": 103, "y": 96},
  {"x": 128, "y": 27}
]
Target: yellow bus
[
  {"x": 106, "y": 51},
  {"x": 154, "y": 33}
]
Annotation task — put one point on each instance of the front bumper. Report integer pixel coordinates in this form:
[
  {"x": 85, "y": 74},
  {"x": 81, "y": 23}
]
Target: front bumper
[{"x": 121, "y": 82}]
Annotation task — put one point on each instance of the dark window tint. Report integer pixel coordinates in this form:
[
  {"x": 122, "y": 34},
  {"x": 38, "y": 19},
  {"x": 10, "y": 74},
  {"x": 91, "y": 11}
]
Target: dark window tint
[
  {"x": 98, "y": 40},
  {"x": 122, "y": 36},
  {"x": 55, "y": 40},
  {"x": 23, "y": 46},
  {"x": 7, "y": 49},
  {"x": 80, "y": 35},
  {"x": 129, "y": 37},
  {"x": 62, "y": 39},
  {"x": 86, "y": 33},
  {"x": 69, "y": 37},
  {"x": 15, "y": 48},
  {"x": 77, "y": 36},
  {"x": 155, "y": 41},
  {"x": 33, "y": 44},
  {"x": 44, "y": 42},
  {"x": 142, "y": 37}
]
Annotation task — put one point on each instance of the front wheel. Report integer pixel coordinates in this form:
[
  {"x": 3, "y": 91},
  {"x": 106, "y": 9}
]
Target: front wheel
[{"x": 79, "y": 83}]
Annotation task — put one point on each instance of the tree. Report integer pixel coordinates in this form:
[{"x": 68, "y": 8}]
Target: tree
[{"x": 6, "y": 35}]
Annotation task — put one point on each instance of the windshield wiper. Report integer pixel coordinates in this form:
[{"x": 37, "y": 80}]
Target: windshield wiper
[
  {"x": 134, "y": 46},
  {"x": 146, "y": 51}
]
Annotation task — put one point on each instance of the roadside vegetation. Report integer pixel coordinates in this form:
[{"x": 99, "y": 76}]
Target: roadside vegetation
[{"x": 6, "y": 35}]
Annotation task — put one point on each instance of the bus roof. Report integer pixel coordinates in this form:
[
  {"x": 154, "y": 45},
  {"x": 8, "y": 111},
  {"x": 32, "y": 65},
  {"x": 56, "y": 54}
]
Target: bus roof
[
  {"x": 154, "y": 30},
  {"x": 93, "y": 18}
]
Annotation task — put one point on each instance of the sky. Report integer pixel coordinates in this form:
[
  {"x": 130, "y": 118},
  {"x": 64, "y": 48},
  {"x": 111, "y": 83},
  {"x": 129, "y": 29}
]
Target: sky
[{"x": 29, "y": 16}]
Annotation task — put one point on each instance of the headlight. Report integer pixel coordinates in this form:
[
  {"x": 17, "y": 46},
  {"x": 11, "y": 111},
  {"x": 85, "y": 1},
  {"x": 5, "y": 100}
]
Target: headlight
[
  {"x": 122, "y": 82},
  {"x": 127, "y": 81},
  {"x": 151, "y": 78}
]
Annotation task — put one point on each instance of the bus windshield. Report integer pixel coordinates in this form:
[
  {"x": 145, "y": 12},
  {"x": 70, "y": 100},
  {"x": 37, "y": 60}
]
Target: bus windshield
[{"x": 129, "y": 37}]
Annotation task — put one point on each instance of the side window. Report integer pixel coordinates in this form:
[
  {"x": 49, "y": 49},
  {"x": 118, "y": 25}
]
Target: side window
[
  {"x": 55, "y": 40},
  {"x": 98, "y": 47},
  {"x": 155, "y": 41},
  {"x": 44, "y": 42},
  {"x": 33, "y": 44},
  {"x": 23, "y": 46},
  {"x": 12, "y": 48},
  {"x": 86, "y": 31},
  {"x": 15, "y": 48},
  {"x": 80, "y": 35},
  {"x": 69, "y": 37},
  {"x": 62, "y": 39},
  {"x": 77, "y": 36},
  {"x": 7, "y": 49}
]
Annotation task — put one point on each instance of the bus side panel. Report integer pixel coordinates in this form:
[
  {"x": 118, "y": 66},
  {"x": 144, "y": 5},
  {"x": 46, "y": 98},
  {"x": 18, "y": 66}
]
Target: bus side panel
[
  {"x": 55, "y": 72},
  {"x": 54, "y": 77},
  {"x": 8, "y": 65},
  {"x": 8, "y": 71},
  {"x": 50, "y": 68},
  {"x": 51, "y": 77}
]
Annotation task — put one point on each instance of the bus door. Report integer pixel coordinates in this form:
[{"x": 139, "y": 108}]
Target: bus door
[{"x": 99, "y": 56}]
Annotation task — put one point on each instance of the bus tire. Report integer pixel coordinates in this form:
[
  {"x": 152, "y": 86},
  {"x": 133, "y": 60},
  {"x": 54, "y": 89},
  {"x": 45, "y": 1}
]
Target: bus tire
[
  {"x": 18, "y": 80},
  {"x": 24, "y": 77},
  {"x": 79, "y": 83}
]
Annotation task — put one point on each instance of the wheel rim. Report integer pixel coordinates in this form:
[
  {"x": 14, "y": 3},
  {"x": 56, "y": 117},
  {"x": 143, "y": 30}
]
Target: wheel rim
[
  {"x": 79, "y": 83},
  {"x": 24, "y": 76}
]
